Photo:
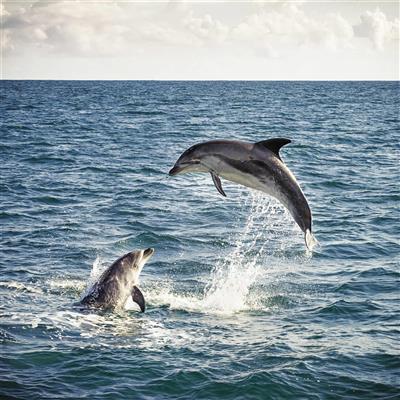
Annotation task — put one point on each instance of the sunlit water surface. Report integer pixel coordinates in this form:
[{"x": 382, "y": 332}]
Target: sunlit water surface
[{"x": 236, "y": 306}]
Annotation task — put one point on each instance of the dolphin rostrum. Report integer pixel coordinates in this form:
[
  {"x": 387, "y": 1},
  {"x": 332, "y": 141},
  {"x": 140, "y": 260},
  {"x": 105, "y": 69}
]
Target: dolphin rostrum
[
  {"x": 255, "y": 165},
  {"x": 118, "y": 282}
]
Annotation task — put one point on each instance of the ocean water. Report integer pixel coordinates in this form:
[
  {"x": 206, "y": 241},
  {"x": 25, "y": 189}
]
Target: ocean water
[{"x": 236, "y": 306}]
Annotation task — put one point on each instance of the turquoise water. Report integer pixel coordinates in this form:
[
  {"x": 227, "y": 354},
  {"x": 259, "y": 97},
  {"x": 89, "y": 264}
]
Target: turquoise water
[{"x": 236, "y": 307}]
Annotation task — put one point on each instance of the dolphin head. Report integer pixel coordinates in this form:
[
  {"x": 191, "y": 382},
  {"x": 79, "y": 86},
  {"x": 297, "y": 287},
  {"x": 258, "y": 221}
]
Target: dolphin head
[
  {"x": 190, "y": 161},
  {"x": 139, "y": 258},
  {"x": 133, "y": 262}
]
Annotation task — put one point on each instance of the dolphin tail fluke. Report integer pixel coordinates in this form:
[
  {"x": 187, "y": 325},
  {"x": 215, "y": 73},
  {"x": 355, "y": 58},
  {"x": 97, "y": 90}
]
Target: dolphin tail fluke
[{"x": 311, "y": 242}]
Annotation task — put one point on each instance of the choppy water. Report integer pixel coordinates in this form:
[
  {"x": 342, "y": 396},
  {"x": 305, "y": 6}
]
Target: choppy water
[{"x": 237, "y": 309}]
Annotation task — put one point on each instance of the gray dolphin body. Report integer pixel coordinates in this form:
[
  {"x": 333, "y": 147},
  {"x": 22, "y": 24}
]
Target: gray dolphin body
[
  {"x": 118, "y": 282},
  {"x": 255, "y": 165}
]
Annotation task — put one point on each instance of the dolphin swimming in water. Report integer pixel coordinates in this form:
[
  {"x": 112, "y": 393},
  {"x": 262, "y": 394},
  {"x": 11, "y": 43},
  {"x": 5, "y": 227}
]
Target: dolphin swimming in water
[
  {"x": 255, "y": 165},
  {"x": 118, "y": 282}
]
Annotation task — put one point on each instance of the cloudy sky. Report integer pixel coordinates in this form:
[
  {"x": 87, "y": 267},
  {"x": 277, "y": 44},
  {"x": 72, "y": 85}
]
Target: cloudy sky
[{"x": 199, "y": 40}]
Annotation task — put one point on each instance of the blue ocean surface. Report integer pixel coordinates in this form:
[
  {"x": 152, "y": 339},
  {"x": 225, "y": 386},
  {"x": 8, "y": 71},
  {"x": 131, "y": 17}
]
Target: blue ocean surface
[{"x": 236, "y": 306}]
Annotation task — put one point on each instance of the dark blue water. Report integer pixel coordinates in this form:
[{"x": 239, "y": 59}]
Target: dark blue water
[{"x": 236, "y": 306}]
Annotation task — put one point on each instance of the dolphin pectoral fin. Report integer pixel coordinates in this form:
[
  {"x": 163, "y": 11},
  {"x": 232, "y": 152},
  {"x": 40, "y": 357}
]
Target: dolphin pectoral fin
[
  {"x": 274, "y": 145},
  {"x": 137, "y": 297},
  {"x": 217, "y": 183}
]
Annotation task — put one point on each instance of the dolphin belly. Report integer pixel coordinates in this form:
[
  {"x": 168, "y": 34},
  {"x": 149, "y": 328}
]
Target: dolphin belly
[{"x": 274, "y": 179}]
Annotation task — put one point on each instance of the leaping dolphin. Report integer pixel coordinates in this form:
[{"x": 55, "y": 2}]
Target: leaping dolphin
[
  {"x": 118, "y": 282},
  {"x": 255, "y": 165}
]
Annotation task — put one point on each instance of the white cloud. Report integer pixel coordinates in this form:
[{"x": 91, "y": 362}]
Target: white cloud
[
  {"x": 375, "y": 26},
  {"x": 80, "y": 28},
  {"x": 292, "y": 26},
  {"x": 109, "y": 28},
  {"x": 162, "y": 34},
  {"x": 5, "y": 42},
  {"x": 206, "y": 28},
  {"x": 192, "y": 37},
  {"x": 3, "y": 11},
  {"x": 90, "y": 29}
]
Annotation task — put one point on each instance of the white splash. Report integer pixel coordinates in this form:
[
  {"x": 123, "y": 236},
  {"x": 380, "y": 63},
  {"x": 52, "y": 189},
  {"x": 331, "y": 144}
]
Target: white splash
[
  {"x": 65, "y": 284},
  {"x": 268, "y": 229},
  {"x": 97, "y": 269},
  {"x": 234, "y": 275}
]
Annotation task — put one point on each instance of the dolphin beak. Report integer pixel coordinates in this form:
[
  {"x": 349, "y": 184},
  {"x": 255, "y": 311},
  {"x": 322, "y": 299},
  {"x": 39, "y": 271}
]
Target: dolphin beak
[
  {"x": 148, "y": 253},
  {"x": 175, "y": 170},
  {"x": 182, "y": 167}
]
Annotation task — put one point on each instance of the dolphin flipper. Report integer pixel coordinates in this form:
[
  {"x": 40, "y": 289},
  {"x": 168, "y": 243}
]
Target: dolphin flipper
[
  {"x": 217, "y": 183},
  {"x": 137, "y": 297}
]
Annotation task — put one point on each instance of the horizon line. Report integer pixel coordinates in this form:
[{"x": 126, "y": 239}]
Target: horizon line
[{"x": 200, "y": 80}]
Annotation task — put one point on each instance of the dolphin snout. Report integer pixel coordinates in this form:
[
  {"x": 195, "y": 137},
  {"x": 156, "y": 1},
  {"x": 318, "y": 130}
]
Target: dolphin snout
[
  {"x": 148, "y": 252},
  {"x": 184, "y": 166},
  {"x": 174, "y": 170}
]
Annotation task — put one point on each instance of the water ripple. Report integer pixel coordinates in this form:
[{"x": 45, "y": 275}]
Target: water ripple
[{"x": 236, "y": 308}]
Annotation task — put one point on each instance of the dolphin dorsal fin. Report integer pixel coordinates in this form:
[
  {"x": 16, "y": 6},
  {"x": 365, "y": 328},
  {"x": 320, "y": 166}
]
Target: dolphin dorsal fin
[{"x": 274, "y": 144}]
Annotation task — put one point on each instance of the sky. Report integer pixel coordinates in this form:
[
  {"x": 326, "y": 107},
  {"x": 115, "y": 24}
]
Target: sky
[{"x": 196, "y": 40}]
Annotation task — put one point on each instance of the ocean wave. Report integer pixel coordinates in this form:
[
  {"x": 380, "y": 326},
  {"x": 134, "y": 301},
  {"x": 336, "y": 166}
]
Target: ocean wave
[{"x": 236, "y": 307}]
